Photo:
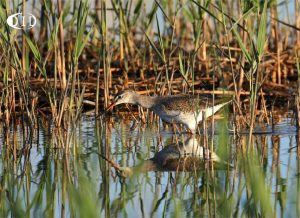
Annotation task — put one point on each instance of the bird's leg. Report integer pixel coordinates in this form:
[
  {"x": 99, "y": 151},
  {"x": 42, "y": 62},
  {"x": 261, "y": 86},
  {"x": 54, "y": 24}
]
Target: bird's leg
[
  {"x": 174, "y": 127},
  {"x": 204, "y": 129}
]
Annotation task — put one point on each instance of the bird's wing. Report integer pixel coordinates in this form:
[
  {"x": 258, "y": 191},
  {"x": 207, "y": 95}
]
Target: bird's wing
[
  {"x": 170, "y": 111},
  {"x": 184, "y": 103}
]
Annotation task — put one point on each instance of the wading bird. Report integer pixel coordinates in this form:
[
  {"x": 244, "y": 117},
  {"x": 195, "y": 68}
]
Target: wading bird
[{"x": 188, "y": 110}]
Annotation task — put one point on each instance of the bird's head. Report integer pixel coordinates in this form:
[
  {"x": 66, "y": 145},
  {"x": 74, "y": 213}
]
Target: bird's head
[{"x": 123, "y": 97}]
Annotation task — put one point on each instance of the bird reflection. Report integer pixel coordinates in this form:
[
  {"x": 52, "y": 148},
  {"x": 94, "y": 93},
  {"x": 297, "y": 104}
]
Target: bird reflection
[{"x": 186, "y": 155}]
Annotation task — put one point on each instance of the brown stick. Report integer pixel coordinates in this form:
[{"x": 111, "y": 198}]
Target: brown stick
[
  {"x": 62, "y": 69},
  {"x": 24, "y": 45}
]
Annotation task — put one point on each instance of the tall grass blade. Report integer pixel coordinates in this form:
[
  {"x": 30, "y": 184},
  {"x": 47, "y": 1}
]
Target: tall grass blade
[
  {"x": 261, "y": 39},
  {"x": 160, "y": 55},
  {"x": 242, "y": 46}
]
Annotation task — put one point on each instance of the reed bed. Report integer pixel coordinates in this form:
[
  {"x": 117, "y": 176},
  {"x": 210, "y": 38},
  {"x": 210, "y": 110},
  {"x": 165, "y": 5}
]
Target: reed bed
[
  {"x": 77, "y": 58},
  {"x": 82, "y": 53}
]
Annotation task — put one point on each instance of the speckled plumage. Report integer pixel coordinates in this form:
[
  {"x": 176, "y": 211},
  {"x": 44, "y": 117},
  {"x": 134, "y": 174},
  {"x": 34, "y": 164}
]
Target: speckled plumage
[
  {"x": 183, "y": 103},
  {"x": 184, "y": 109}
]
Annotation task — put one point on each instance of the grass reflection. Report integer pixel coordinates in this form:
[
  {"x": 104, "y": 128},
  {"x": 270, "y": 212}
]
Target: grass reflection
[{"x": 166, "y": 178}]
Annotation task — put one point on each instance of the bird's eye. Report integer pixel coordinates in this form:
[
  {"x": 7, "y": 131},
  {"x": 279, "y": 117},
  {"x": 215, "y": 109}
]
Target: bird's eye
[{"x": 118, "y": 97}]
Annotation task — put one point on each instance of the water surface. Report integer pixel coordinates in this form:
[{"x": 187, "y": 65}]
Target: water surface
[{"x": 245, "y": 181}]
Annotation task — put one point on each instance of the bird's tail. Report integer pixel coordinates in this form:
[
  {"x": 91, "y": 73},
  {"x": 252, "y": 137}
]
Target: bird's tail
[
  {"x": 212, "y": 110},
  {"x": 219, "y": 106}
]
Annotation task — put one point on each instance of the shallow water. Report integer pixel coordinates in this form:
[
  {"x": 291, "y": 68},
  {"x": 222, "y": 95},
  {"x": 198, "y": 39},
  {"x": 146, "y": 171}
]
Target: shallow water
[{"x": 43, "y": 181}]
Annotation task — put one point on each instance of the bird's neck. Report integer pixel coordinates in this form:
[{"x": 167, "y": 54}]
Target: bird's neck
[{"x": 145, "y": 101}]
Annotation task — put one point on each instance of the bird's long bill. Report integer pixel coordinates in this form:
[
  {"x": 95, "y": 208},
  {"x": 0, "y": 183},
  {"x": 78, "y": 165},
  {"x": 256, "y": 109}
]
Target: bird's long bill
[{"x": 110, "y": 107}]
